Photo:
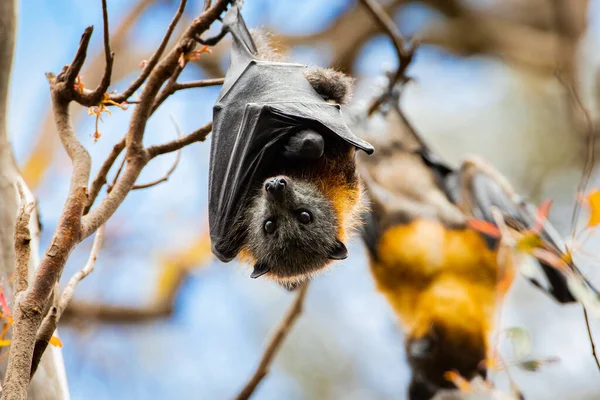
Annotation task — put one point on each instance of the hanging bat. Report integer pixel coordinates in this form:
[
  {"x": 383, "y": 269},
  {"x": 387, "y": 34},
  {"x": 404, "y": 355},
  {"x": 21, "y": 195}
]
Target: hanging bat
[
  {"x": 437, "y": 273},
  {"x": 283, "y": 188}
]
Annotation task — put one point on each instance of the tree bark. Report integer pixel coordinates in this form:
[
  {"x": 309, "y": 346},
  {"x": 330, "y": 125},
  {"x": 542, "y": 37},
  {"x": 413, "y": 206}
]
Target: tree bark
[{"x": 50, "y": 382}]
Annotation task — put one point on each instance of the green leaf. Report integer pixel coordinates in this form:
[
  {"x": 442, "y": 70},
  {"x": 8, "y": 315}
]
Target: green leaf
[{"x": 521, "y": 342}]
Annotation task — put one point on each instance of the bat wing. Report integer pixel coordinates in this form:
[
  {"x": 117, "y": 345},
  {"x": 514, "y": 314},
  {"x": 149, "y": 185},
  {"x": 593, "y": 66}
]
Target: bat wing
[
  {"x": 245, "y": 152},
  {"x": 477, "y": 192},
  {"x": 401, "y": 188},
  {"x": 260, "y": 104}
]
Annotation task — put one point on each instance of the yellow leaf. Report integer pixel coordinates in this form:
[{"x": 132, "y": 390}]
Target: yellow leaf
[
  {"x": 593, "y": 200},
  {"x": 4, "y": 343},
  {"x": 55, "y": 341},
  {"x": 174, "y": 267},
  {"x": 506, "y": 269},
  {"x": 528, "y": 242}
]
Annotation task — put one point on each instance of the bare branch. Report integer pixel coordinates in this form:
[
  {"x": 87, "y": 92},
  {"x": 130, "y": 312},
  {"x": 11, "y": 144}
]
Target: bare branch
[
  {"x": 198, "y": 84},
  {"x": 71, "y": 71},
  {"x": 22, "y": 241},
  {"x": 171, "y": 170},
  {"x": 199, "y": 135},
  {"x": 172, "y": 86},
  {"x": 100, "y": 178},
  {"x": 589, "y": 331},
  {"x": 91, "y": 98},
  {"x": 274, "y": 345},
  {"x": 50, "y": 322},
  {"x": 121, "y": 97},
  {"x": 77, "y": 153},
  {"x": 111, "y": 314},
  {"x": 404, "y": 52},
  {"x": 168, "y": 89}
]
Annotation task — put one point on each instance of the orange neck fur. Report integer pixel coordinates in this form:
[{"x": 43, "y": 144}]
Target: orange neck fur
[{"x": 434, "y": 275}]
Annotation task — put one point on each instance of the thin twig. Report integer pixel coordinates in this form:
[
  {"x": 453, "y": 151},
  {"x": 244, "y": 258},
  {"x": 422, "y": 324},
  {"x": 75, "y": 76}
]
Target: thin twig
[
  {"x": 405, "y": 52},
  {"x": 274, "y": 345},
  {"x": 171, "y": 170},
  {"x": 22, "y": 241},
  {"x": 91, "y": 98},
  {"x": 70, "y": 72},
  {"x": 100, "y": 178},
  {"x": 588, "y": 167},
  {"x": 117, "y": 175},
  {"x": 124, "y": 96},
  {"x": 589, "y": 330},
  {"x": 48, "y": 326},
  {"x": 207, "y": 4},
  {"x": 199, "y": 135},
  {"x": 198, "y": 84},
  {"x": 168, "y": 90}
]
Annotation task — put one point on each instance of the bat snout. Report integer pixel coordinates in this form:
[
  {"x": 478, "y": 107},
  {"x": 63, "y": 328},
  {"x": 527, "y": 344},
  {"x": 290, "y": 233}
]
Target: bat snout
[{"x": 275, "y": 187}]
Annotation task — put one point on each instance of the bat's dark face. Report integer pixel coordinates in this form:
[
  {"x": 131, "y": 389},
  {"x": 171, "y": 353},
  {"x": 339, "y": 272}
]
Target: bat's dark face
[
  {"x": 444, "y": 348},
  {"x": 292, "y": 230}
]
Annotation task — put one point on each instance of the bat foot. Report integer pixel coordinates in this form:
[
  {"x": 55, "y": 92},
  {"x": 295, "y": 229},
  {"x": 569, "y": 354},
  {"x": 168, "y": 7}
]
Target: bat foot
[
  {"x": 212, "y": 40},
  {"x": 305, "y": 144}
]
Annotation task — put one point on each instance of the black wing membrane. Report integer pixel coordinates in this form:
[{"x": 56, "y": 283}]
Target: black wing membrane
[
  {"x": 485, "y": 193},
  {"x": 261, "y": 104}
]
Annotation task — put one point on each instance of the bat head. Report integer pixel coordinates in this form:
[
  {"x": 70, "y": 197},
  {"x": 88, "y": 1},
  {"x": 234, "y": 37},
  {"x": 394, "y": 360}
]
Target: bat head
[
  {"x": 440, "y": 342},
  {"x": 293, "y": 230}
]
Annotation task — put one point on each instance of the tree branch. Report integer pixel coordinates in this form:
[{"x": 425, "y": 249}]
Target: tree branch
[
  {"x": 198, "y": 84},
  {"x": 119, "y": 98},
  {"x": 50, "y": 322},
  {"x": 274, "y": 345},
  {"x": 22, "y": 241},
  {"x": 171, "y": 170},
  {"x": 93, "y": 98},
  {"x": 199, "y": 135},
  {"x": 404, "y": 52},
  {"x": 589, "y": 331},
  {"x": 100, "y": 179},
  {"x": 172, "y": 86}
]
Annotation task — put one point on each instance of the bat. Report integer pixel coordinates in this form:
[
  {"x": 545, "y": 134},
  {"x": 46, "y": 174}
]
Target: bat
[
  {"x": 439, "y": 275},
  {"x": 283, "y": 188}
]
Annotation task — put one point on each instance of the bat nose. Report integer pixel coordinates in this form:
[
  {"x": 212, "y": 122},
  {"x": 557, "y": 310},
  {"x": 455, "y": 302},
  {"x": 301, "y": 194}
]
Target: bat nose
[{"x": 275, "y": 186}]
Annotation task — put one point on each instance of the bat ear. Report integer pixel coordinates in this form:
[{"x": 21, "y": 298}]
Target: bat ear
[
  {"x": 339, "y": 252},
  {"x": 259, "y": 270}
]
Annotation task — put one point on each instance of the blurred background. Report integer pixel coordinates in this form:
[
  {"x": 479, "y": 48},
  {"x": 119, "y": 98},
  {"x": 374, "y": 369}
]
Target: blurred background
[{"x": 160, "y": 318}]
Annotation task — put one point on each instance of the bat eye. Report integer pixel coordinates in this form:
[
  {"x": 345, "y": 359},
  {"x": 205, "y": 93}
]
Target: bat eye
[
  {"x": 270, "y": 226},
  {"x": 304, "y": 217}
]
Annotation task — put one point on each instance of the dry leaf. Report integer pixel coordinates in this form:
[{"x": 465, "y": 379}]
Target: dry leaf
[
  {"x": 175, "y": 266},
  {"x": 541, "y": 216},
  {"x": 593, "y": 200},
  {"x": 484, "y": 227},
  {"x": 506, "y": 269},
  {"x": 55, "y": 341},
  {"x": 6, "y": 313}
]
